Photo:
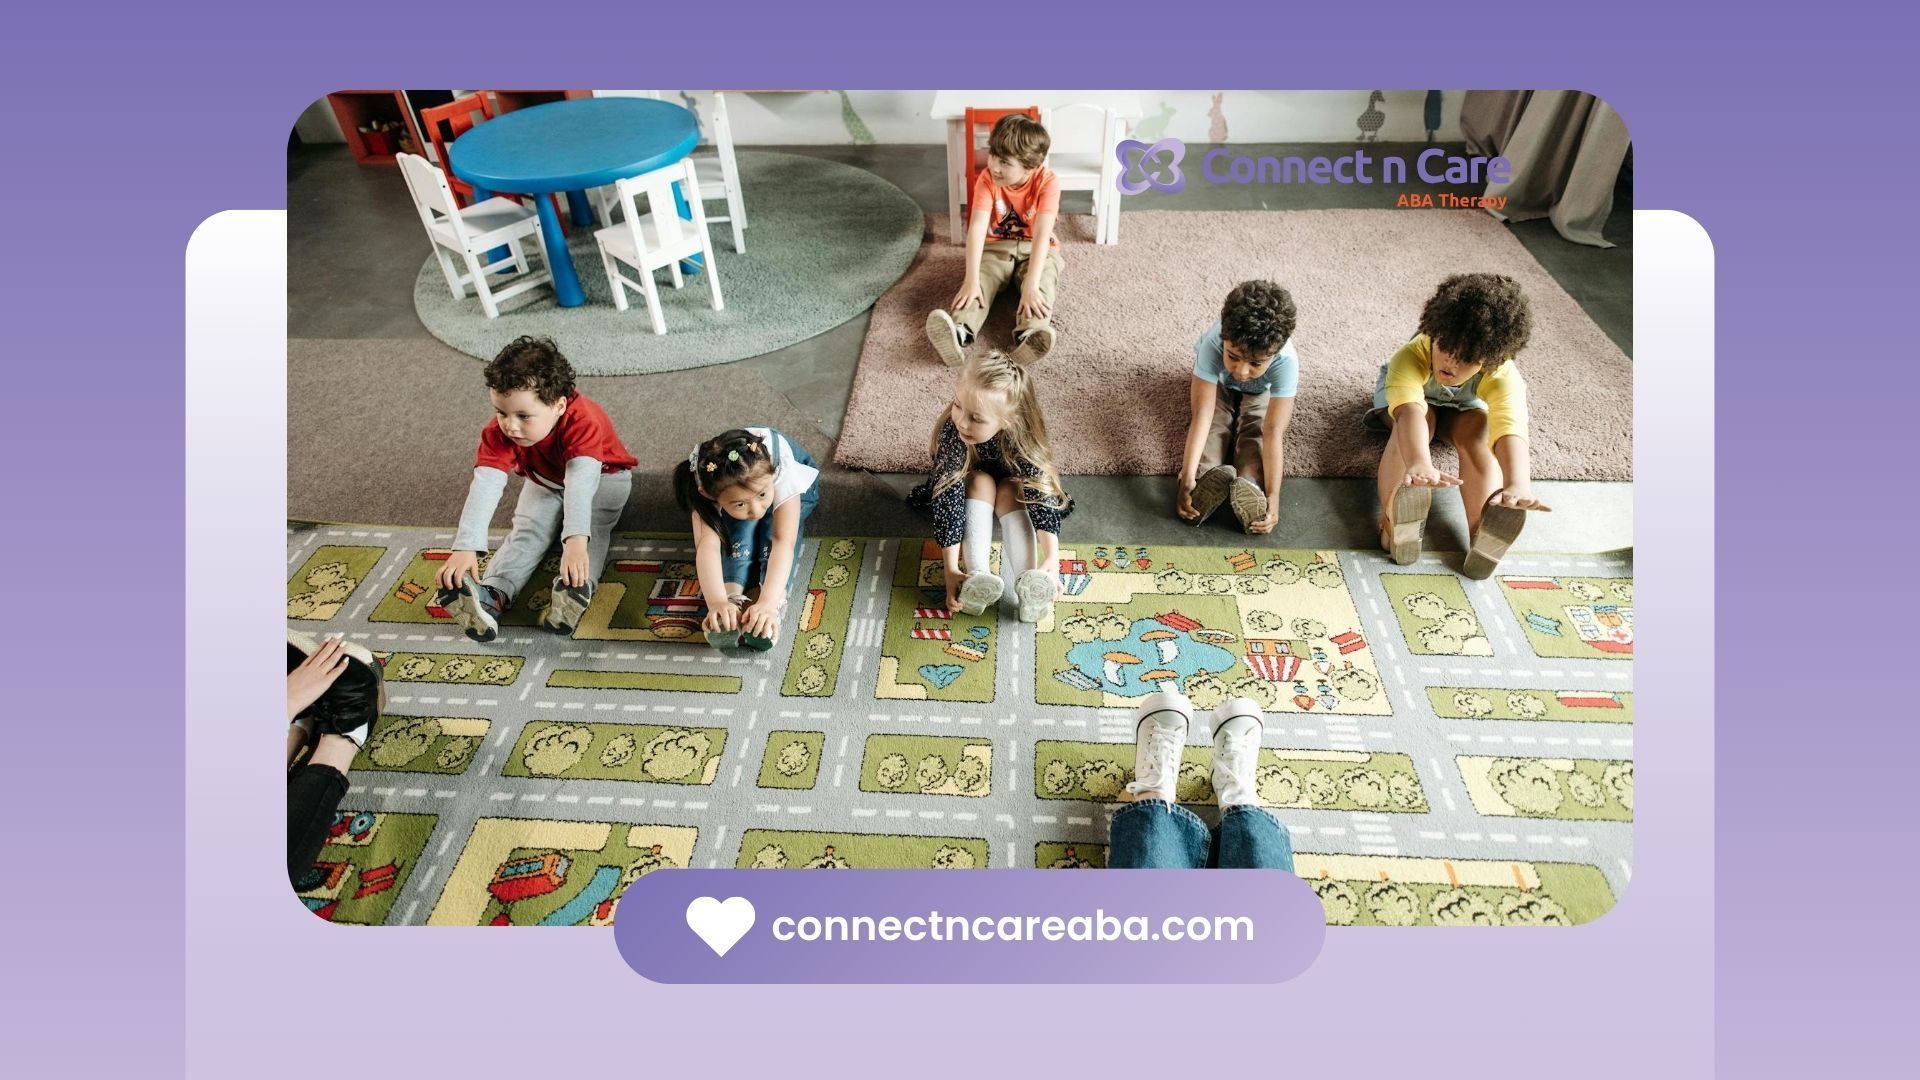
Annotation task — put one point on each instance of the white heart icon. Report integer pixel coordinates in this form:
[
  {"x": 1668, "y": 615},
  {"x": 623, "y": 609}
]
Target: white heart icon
[{"x": 720, "y": 924}]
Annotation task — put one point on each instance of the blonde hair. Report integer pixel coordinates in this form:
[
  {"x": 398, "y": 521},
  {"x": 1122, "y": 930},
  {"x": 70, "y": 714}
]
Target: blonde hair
[{"x": 1023, "y": 436}]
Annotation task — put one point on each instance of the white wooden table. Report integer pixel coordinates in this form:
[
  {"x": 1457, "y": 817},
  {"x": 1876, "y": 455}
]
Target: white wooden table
[{"x": 952, "y": 106}]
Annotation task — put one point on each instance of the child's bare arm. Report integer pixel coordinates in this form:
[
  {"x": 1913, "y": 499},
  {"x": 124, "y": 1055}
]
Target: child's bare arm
[
  {"x": 1516, "y": 468},
  {"x": 721, "y": 614},
  {"x": 1411, "y": 437},
  {"x": 1032, "y": 304},
  {"x": 1273, "y": 460},
  {"x": 976, "y": 247},
  {"x": 786, "y": 527},
  {"x": 1200, "y": 398}
]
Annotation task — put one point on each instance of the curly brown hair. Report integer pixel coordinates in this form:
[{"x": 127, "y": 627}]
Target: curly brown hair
[
  {"x": 1257, "y": 318},
  {"x": 531, "y": 363},
  {"x": 1017, "y": 137},
  {"x": 1480, "y": 318}
]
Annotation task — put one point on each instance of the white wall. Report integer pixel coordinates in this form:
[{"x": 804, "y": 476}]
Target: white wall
[
  {"x": 819, "y": 117},
  {"x": 902, "y": 116}
]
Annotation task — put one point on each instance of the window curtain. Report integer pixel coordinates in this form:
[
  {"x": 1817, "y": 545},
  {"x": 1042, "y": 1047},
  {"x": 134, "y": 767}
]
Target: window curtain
[{"x": 1566, "y": 148}]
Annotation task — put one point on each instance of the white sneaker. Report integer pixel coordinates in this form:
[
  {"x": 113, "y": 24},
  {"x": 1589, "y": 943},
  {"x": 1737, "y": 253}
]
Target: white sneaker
[
  {"x": 1160, "y": 733},
  {"x": 1034, "y": 592},
  {"x": 979, "y": 592},
  {"x": 1237, "y": 725}
]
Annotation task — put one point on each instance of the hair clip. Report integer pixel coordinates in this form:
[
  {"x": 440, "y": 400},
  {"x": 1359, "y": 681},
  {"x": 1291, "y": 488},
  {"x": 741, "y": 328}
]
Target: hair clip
[
  {"x": 733, "y": 455},
  {"x": 711, "y": 466}
]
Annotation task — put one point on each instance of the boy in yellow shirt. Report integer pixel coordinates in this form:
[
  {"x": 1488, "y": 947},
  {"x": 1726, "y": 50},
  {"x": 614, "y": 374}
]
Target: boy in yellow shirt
[{"x": 1456, "y": 381}]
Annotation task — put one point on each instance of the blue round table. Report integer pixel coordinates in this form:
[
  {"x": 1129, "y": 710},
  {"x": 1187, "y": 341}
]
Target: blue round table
[{"x": 571, "y": 146}]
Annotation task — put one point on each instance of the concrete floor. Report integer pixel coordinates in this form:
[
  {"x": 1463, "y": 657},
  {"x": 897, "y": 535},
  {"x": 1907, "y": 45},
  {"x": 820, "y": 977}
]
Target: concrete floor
[{"x": 342, "y": 287}]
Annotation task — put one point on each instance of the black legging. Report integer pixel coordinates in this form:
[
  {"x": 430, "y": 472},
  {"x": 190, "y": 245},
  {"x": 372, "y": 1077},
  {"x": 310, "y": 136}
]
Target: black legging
[{"x": 313, "y": 794}]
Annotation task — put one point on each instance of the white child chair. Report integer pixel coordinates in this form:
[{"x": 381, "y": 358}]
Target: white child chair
[
  {"x": 719, "y": 177},
  {"x": 1085, "y": 139},
  {"x": 658, "y": 238},
  {"x": 472, "y": 231}
]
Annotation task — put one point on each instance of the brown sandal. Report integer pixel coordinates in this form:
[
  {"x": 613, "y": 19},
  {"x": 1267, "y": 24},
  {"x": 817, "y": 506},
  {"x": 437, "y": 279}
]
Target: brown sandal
[
  {"x": 1499, "y": 527},
  {"x": 1407, "y": 521}
]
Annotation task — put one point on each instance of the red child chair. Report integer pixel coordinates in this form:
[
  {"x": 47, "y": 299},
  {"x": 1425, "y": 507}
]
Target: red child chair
[
  {"x": 457, "y": 117},
  {"x": 979, "y": 125}
]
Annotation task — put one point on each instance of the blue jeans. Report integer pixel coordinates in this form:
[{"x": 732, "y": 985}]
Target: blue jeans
[
  {"x": 1153, "y": 835},
  {"x": 745, "y": 546}
]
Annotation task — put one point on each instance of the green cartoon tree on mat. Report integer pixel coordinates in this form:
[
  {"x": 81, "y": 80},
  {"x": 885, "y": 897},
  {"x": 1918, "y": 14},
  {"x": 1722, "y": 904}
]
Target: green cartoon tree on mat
[
  {"x": 674, "y": 754},
  {"x": 555, "y": 749},
  {"x": 1527, "y": 785},
  {"x": 949, "y": 857},
  {"x": 1526, "y": 909},
  {"x": 793, "y": 758},
  {"x": 891, "y": 772},
  {"x": 397, "y": 744},
  {"x": 1393, "y": 904},
  {"x": 1457, "y": 907},
  {"x": 619, "y": 750},
  {"x": 1341, "y": 905},
  {"x": 1277, "y": 785}
]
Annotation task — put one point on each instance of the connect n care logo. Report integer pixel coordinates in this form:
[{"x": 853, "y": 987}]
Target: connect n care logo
[{"x": 1151, "y": 163}]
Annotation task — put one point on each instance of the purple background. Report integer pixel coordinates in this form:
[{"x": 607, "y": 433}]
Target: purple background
[
  {"x": 1787, "y": 136},
  {"x": 650, "y": 927}
]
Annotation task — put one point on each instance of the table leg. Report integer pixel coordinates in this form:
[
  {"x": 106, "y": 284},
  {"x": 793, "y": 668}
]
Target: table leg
[
  {"x": 566, "y": 284},
  {"x": 692, "y": 265},
  {"x": 481, "y": 195},
  {"x": 582, "y": 211}
]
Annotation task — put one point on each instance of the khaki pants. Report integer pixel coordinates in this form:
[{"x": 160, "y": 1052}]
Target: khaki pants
[
  {"x": 1003, "y": 262},
  {"x": 1233, "y": 438}
]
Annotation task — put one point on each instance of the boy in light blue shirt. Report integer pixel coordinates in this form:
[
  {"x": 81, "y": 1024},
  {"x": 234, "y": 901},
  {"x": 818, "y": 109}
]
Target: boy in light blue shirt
[{"x": 1245, "y": 374}]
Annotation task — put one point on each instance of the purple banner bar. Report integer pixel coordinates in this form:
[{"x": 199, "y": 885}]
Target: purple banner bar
[{"x": 995, "y": 926}]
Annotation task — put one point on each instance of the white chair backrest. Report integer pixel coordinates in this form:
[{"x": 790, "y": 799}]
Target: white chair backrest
[
  {"x": 1076, "y": 129},
  {"x": 431, "y": 195},
  {"x": 656, "y": 188},
  {"x": 722, "y": 127}
]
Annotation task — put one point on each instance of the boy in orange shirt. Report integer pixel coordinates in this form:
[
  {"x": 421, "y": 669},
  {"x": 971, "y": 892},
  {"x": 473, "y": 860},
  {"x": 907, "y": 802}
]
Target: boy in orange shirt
[{"x": 1014, "y": 203}]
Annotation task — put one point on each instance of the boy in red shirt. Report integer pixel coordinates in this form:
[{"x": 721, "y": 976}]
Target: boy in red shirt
[
  {"x": 578, "y": 476},
  {"x": 1014, "y": 203}
]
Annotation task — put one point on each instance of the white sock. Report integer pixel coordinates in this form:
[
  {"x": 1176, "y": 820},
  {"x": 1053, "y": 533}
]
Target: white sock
[
  {"x": 1016, "y": 549},
  {"x": 976, "y": 550},
  {"x": 358, "y": 735}
]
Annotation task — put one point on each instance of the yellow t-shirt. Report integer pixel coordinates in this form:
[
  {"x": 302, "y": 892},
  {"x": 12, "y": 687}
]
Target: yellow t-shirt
[{"x": 1500, "y": 388}]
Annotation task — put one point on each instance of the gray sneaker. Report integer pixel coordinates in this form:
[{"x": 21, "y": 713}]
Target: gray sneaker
[
  {"x": 1034, "y": 347},
  {"x": 945, "y": 337},
  {"x": 474, "y": 607},
  {"x": 568, "y": 605},
  {"x": 1210, "y": 492}
]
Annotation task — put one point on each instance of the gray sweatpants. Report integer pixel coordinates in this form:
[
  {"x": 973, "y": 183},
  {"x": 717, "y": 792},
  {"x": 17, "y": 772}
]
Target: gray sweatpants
[{"x": 536, "y": 523}]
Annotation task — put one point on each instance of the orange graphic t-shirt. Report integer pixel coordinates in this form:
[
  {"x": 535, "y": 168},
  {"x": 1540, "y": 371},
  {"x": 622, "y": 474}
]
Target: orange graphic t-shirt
[{"x": 1013, "y": 210}]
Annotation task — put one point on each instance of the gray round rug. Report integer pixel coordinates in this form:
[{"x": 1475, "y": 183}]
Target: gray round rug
[{"x": 824, "y": 240}]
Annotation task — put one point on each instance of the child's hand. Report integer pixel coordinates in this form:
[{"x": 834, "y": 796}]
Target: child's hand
[
  {"x": 457, "y": 568},
  {"x": 762, "y": 619},
  {"x": 1428, "y": 476},
  {"x": 307, "y": 682},
  {"x": 574, "y": 570},
  {"x": 724, "y": 616},
  {"x": 968, "y": 296},
  {"x": 955, "y": 578},
  {"x": 1032, "y": 304},
  {"x": 1520, "y": 498},
  {"x": 1183, "y": 501},
  {"x": 1266, "y": 524}
]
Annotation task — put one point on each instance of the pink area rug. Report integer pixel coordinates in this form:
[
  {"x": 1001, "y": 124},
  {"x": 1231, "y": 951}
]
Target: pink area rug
[{"x": 1115, "y": 386}]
